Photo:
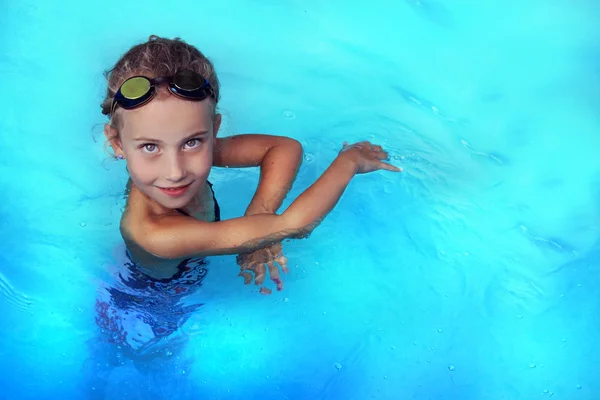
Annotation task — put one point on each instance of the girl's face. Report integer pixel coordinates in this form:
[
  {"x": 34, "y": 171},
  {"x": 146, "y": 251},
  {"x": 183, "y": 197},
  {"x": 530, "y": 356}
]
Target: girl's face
[{"x": 168, "y": 145}]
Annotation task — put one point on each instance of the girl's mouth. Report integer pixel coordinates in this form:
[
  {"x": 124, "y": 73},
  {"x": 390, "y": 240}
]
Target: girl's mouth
[{"x": 176, "y": 191}]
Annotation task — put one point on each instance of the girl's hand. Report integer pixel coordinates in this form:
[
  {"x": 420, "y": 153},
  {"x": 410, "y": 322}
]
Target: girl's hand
[
  {"x": 367, "y": 157},
  {"x": 255, "y": 262}
]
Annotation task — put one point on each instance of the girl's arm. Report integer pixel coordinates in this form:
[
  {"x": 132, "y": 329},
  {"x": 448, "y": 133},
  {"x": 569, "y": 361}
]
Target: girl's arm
[
  {"x": 181, "y": 237},
  {"x": 279, "y": 159}
]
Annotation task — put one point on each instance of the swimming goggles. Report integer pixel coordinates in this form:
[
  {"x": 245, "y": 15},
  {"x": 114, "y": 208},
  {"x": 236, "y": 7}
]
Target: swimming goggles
[{"x": 139, "y": 90}]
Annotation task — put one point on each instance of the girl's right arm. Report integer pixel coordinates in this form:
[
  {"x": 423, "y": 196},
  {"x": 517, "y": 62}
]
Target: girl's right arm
[{"x": 182, "y": 237}]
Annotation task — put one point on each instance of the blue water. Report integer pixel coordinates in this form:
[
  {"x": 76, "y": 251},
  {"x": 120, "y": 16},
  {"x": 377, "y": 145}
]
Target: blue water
[{"x": 472, "y": 275}]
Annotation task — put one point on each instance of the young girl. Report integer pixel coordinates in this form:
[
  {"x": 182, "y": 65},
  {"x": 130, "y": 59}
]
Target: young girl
[{"x": 162, "y": 102}]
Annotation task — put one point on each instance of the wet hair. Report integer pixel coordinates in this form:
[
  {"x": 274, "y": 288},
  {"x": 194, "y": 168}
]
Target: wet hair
[{"x": 157, "y": 57}]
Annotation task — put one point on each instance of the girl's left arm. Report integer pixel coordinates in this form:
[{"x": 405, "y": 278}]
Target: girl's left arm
[{"x": 279, "y": 158}]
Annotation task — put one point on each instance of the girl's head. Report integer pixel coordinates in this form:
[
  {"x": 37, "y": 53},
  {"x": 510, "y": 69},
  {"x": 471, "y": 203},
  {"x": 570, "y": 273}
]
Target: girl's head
[{"x": 167, "y": 142}]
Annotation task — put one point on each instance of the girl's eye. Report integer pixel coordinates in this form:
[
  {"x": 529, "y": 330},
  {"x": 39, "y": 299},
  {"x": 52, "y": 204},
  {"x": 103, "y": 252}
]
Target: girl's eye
[
  {"x": 149, "y": 148},
  {"x": 193, "y": 143}
]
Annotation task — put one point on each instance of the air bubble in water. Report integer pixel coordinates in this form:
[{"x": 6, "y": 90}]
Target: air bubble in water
[
  {"x": 308, "y": 157},
  {"x": 338, "y": 366},
  {"x": 83, "y": 224},
  {"x": 451, "y": 367},
  {"x": 289, "y": 114}
]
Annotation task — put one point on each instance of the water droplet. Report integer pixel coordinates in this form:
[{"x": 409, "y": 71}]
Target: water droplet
[
  {"x": 183, "y": 372},
  {"x": 308, "y": 157},
  {"x": 392, "y": 347},
  {"x": 578, "y": 386},
  {"x": 451, "y": 367},
  {"x": 83, "y": 224},
  {"x": 169, "y": 353},
  {"x": 324, "y": 312},
  {"x": 439, "y": 331},
  {"x": 289, "y": 114},
  {"x": 285, "y": 299},
  {"x": 385, "y": 377},
  {"x": 532, "y": 365},
  {"x": 338, "y": 366}
]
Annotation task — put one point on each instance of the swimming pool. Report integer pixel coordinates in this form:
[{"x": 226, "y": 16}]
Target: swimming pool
[{"x": 473, "y": 275}]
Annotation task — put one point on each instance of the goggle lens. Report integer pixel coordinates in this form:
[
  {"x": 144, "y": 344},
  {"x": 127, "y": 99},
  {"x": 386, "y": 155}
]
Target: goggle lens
[
  {"x": 188, "y": 80},
  {"x": 135, "y": 88}
]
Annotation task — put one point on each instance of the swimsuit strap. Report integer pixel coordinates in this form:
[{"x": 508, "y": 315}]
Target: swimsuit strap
[
  {"x": 217, "y": 208},
  {"x": 182, "y": 211}
]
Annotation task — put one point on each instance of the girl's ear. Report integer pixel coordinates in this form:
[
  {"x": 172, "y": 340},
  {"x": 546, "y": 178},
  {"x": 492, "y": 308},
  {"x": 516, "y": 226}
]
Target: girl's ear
[{"x": 112, "y": 137}]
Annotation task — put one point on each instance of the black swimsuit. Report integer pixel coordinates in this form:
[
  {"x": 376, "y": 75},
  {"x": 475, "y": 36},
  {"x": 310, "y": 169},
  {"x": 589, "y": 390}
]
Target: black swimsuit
[{"x": 136, "y": 300}]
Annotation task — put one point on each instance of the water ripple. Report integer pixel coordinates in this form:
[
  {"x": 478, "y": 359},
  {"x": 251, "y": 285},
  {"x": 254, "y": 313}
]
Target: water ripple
[
  {"x": 554, "y": 244},
  {"x": 421, "y": 102},
  {"x": 497, "y": 158},
  {"x": 18, "y": 300}
]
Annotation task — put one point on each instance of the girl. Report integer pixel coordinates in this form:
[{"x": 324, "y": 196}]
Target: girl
[{"x": 162, "y": 102}]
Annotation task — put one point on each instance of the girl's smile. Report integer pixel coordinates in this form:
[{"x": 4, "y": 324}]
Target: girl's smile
[{"x": 175, "y": 191}]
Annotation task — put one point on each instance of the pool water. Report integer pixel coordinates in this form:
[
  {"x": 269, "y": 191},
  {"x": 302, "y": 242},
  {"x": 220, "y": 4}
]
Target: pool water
[{"x": 471, "y": 275}]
